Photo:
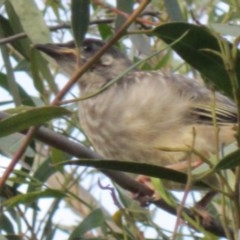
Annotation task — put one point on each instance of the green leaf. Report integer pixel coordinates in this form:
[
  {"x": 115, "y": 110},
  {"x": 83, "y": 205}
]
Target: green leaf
[
  {"x": 39, "y": 70},
  {"x": 28, "y": 118},
  {"x": 31, "y": 20},
  {"x": 93, "y": 220},
  {"x": 198, "y": 48},
  {"x": 43, "y": 172},
  {"x": 125, "y": 6},
  {"x": 23, "y": 46},
  {"x": 11, "y": 143},
  {"x": 232, "y": 160},
  {"x": 26, "y": 100},
  {"x": 138, "y": 168},
  {"x": 6, "y": 224},
  {"x": 35, "y": 62},
  {"x": 55, "y": 6},
  {"x": 33, "y": 196},
  {"x": 105, "y": 31},
  {"x": 58, "y": 156},
  {"x": 79, "y": 20},
  {"x": 13, "y": 88},
  {"x": 14, "y": 23},
  {"x": 173, "y": 10},
  {"x": 11, "y": 237}
]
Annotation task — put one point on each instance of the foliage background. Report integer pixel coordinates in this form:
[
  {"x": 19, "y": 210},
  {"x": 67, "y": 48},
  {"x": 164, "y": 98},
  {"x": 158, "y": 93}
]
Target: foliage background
[{"x": 40, "y": 200}]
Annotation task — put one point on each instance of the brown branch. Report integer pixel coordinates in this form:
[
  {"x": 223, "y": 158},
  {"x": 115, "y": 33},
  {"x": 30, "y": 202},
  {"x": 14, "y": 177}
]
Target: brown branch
[
  {"x": 13, "y": 38},
  {"x": 19, "y": 153}
]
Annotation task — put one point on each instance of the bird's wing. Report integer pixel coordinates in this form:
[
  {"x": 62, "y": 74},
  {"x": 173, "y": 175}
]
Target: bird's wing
[
  {"x": 206, "y": 114},
  {"x": 207, "y": 105}
]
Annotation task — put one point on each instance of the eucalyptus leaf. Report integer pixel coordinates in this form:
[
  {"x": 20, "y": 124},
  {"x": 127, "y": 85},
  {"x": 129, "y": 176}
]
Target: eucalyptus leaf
[
  {"x": 42, "y": 173},
  {"x": 173, "y": 10},
  {"x": 79, "y": 19},
  {"x": 28, "y": 118},
  {"x": 93, "y": 220},
  {"x": 10, "y": 144},
  {"x": 200, "y": 48},
  {"x": 26, "y": 99},
  {"x": 6, "y": 223},
  {"x": 33, "y": 196},
  {"x": 125, "y": 6},
  {"x": 232, "y": 160},
  {"x": 138, "y": 168},
  {"x": 31, "y": 20},
  {"x": 14, "y": 22}
]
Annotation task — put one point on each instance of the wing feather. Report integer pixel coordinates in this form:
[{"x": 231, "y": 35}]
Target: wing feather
[{"x": 205, "y": 104}]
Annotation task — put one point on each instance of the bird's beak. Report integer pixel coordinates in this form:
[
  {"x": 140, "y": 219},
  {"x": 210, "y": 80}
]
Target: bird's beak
[{"x": 56, "y": 50}]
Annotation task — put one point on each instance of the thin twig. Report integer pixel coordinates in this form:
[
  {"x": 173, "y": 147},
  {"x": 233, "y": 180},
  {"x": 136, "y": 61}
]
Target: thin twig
[{"x": 17, "y": 156}]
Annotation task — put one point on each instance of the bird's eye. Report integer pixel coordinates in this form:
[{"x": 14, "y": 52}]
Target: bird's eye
[{"x": 88, "y": 48}]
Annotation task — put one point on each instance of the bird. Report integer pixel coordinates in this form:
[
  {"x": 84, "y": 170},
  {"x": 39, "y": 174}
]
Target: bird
[{"x": 155, "y": 117}]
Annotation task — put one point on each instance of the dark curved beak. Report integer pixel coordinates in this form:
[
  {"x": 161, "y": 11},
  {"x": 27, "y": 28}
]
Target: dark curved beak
[{"x": 57, "y": 50}]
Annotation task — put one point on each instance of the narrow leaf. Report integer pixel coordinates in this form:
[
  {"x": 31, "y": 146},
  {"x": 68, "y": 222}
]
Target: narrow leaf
[
  {"x": 232, "y": 160},
  {"x": 13, "y": 20},
  {"x": 26, "y": 99},
  {"x": 138, "y": 168},
  {"x": 125, "y": 6},
  {"x": 93, "y": 220},
  {"x": 11, "y": 143},
  {"x": 31, "y": 20},
  {"x": 198, "y": 48},
  {"x": 32, "y": 117},
  {"x": 6, "y": 224},
  {"x": 42, "y": 173},
  {"x": 33, "y": 196},
  {"x": 80, "y": 19},
  {"x": 173, "y": 10}
]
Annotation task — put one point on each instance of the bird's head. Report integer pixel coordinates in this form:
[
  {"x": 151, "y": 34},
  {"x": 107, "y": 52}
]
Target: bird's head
[{"x": 110, "y": 65}]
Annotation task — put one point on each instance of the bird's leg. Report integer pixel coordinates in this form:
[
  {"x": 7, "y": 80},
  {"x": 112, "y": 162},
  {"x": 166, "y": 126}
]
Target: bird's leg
[
  {"x": 144, "y": 200},
  {"x": 176, "y": 166}
]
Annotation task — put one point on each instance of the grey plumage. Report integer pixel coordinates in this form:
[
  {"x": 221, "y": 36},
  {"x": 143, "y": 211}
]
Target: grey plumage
[{"x": 144, "y": 113}]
